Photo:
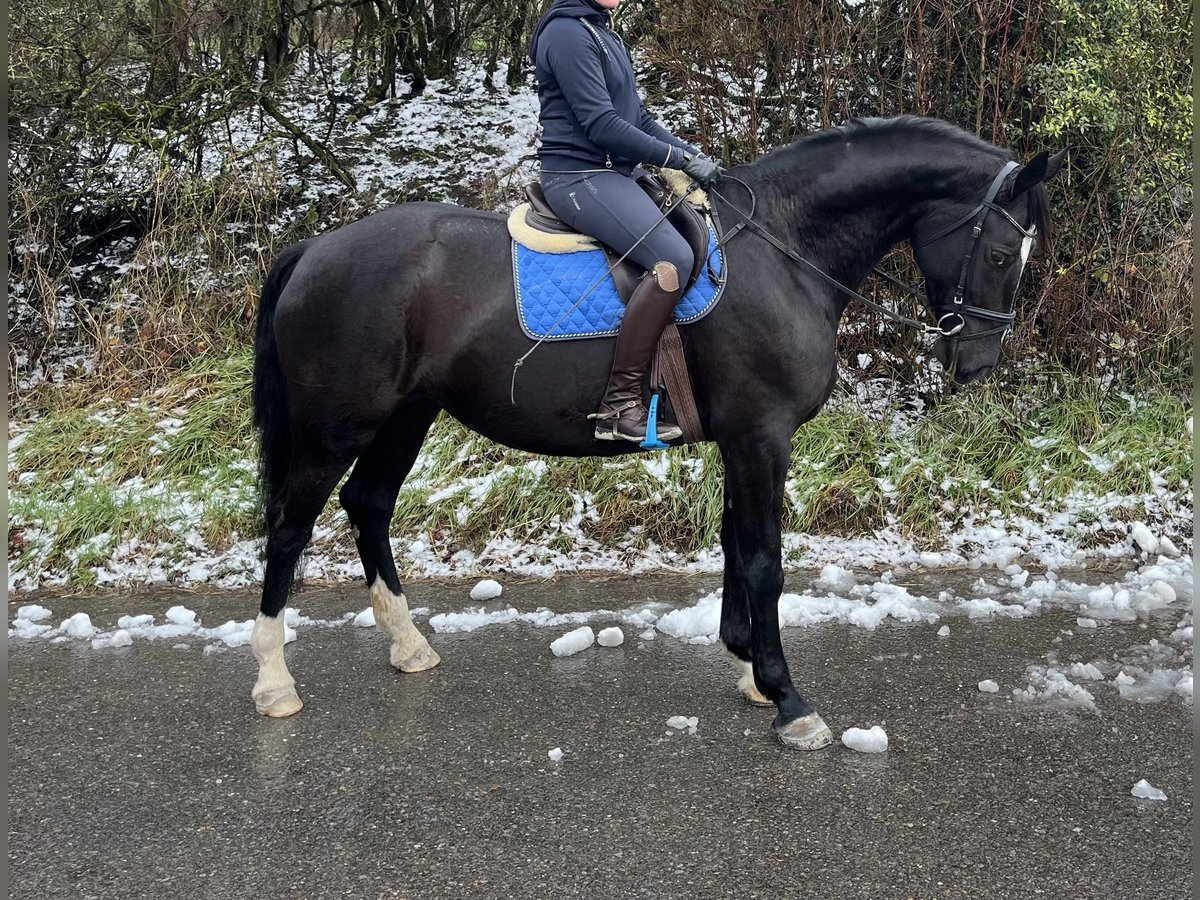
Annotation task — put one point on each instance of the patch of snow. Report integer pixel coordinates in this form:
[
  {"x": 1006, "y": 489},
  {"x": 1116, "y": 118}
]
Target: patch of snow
[
  {"x": 1051, "y": 684},
  {"x": 556, "y": 754},
  {"x": 610, "y": 637},
  {"x": 1144, "y": 537},
  {"x": 485, "y": 590},
  {"x": 181, "y": 615},
  {"x": 872, "y": 740},
  {"x": 989, "y": 687},
  {"x": 681, "y": 723},
  {"x": 573, "y": 642},
  {"x": 1154, "y": 685},
  {"x": 78, "y": 626},
  {"x": 1085, "y": 672},
  {"x": 1144, "y": 790}
]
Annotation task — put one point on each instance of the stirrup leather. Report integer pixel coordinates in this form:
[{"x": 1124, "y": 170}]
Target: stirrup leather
[{"x": 614, "y": 412}]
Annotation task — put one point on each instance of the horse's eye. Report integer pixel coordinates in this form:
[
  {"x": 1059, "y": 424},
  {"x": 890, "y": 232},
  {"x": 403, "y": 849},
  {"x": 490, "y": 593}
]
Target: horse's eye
[{"x": 999, "y": 258}]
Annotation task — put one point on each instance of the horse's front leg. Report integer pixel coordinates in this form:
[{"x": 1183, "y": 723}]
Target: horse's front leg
[{"x": 755, "y": 471}]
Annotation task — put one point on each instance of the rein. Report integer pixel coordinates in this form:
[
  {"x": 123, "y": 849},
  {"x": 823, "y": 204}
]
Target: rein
[{"x": 961, "y": 310}]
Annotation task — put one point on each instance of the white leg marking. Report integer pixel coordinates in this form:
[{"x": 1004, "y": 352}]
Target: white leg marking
[
  {"x": 275, "y": 691},
  {"x": 746, "y": 682},
  {"x": 410, "y": 651}
]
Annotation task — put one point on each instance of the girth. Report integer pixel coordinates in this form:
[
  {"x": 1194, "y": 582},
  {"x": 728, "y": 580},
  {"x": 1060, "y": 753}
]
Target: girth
[{"x": 684, "y": 218}]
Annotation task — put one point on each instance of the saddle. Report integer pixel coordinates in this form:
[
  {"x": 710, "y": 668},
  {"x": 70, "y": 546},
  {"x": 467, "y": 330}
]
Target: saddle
[
  {"x": 538, "y": 233},
  {"x": 685, "y": 219}
]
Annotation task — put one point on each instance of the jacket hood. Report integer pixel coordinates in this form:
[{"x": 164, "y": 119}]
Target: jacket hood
[{"x": 565, "y": 9}]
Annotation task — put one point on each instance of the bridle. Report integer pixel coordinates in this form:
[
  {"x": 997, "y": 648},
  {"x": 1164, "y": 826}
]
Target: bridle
[{"x": 961, "y": 309}]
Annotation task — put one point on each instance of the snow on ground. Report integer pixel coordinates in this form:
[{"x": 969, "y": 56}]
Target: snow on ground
[
  {"x": 866, "y": 740},
  {"x": 1150, "y": 672},
  {"x": 1144, "y": 790},
  {"x": 180, "y": 622},
  {"x": 684, "y": 723},
  {"x": 573, "y": 642},
  {"x": 1015, "y": 546}
]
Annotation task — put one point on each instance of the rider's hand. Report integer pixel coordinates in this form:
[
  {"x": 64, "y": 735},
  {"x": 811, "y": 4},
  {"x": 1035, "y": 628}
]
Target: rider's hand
[{"x": 702, "y": 170}]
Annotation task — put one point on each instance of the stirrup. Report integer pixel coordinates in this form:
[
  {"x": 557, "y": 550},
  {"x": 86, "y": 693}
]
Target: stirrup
[{"x": 651, "y": 441}]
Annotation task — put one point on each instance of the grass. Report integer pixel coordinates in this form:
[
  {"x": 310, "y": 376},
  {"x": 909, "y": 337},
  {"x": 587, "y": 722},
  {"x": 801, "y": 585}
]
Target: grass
[{"x": 174, "y": 470}]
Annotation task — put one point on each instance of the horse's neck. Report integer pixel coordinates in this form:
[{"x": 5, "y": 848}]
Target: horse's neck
[{"x": 846, "y": 210}]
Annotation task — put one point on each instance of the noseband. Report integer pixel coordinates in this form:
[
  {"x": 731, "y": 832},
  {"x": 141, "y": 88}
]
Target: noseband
[{"x": 960, "y": 308}]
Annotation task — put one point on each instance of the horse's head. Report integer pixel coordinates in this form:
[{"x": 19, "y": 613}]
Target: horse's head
[{"x": 972, "y": 253}]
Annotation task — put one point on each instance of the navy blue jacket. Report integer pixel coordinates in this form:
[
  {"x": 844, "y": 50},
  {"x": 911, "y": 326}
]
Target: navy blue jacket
[{"x": 591, "y": 114}]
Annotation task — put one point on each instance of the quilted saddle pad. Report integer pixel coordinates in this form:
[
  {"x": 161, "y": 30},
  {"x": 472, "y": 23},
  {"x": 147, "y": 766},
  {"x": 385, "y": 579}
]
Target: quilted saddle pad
[{"x": 548, "y": 285}]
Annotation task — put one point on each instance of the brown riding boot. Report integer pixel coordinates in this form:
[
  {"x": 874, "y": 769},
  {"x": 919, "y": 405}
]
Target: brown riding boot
[{"x": 622, "y": 415}]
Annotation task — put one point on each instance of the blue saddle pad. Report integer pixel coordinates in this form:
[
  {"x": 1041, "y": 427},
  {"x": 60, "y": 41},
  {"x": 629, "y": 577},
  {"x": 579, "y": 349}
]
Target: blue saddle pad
[{"x": 548, "y": 285}]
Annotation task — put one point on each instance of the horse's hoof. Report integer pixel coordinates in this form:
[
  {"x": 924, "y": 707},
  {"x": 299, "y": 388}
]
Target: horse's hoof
[
  {"x": 806, "y": 733},
  {"x": 278, "y": 704},
  {"x": 422, "y": 659}
]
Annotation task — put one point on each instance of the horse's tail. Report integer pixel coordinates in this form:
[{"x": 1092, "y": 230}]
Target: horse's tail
[{"x": 270, "y": 390}]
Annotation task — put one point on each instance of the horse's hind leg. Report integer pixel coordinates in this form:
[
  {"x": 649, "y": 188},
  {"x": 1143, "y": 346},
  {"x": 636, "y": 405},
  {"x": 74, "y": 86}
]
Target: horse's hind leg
[
  {"x": 735, "y": 610},
  {"x": 310, "y": 481},
  {"x": 369, "y": 498}
]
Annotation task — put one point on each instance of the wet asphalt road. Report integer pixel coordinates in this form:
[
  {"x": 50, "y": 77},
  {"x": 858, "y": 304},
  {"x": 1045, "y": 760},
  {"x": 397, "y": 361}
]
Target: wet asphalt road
[{"x": 144, "y": 772}]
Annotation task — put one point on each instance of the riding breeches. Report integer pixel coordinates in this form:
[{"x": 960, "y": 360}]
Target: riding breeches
[{"x": 613, "y": 209}]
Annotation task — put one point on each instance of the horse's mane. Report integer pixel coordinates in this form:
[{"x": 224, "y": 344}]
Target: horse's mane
[
  {"x": 902, "y": 125},
  {"x": 912, "y": 126}
]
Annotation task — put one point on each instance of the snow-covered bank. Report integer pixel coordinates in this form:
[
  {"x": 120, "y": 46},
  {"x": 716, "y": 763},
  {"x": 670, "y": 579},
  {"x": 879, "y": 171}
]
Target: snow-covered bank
[{"x": 1013, "y": 546}]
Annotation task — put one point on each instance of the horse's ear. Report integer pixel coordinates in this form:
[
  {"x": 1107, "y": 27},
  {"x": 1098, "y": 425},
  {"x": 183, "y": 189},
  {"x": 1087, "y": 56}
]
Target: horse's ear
[{"x": 1041, "y": 168}]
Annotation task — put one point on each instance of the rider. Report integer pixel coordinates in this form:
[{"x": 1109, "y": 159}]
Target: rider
[{"x": 595, "y": 133}]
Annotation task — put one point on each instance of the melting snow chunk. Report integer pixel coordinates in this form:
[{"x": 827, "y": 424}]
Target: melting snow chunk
[
  {"x": 1051, "y": 684},
  {"x": 135, "y": 621},
  {"x": 989, "y": 687},
  {"x": 573, "y": 642},
  {"x": 366, "y": 618},
  {"x": 833, "y": 577},
  {"x": 78, "y": 626},
  {"x": 181, "y": 615},
  {"x": 1085, "y": 623},
  {"x": 648, "y": 635},
  {"x": 556, "y": 754},
  {"x": 1144, "y": 537},
  {"x": 1184, "y": 686},
  {"x": 611, "y": 637},
  {"x": 26, "y": 629},
  {"x": 487, "y": 589},
  {"x": 682, "y": 722},
  {"x": 944, "y": 631},
  {"x": 1086, "y": 671},
  {"x": 872, "y": 740},
  {"x": 32, "y": 613},
  {"x": 1144, "y": 790},
  {"x": 120, "y": 638}
]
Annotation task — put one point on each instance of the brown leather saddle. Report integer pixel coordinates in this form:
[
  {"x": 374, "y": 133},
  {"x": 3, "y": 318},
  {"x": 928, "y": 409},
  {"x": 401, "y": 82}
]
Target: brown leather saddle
[{"x": 685, "y": 218}]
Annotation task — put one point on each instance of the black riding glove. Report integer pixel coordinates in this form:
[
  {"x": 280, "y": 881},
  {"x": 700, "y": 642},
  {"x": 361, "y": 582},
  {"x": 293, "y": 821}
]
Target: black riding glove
[{"x": 702, "y": 170}]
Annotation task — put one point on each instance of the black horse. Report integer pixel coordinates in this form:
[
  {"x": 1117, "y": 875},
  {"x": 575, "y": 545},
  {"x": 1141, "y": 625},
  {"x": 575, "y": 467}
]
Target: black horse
[{"x": 366, "y": 333}]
